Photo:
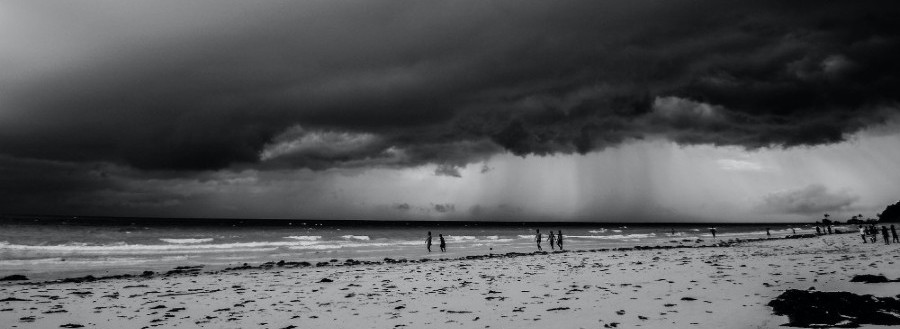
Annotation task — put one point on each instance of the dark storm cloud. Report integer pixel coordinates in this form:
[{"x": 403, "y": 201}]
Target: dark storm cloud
[
  {"x": 447, "y": 170},
  {"x": 324, "y": 84},
  {"x": 444, "y": 207},
  {"x": 55, "y": 187}
]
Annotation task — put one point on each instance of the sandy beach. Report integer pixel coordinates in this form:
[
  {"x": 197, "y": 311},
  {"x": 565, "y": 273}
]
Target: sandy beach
[{"x": 713, "y": 287}]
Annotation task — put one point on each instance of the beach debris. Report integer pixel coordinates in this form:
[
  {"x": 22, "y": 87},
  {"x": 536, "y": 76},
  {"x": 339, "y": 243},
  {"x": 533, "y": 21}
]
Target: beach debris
[
  {"x": 456, "y": 312},
  {"x": 185, "y": 270},
  {"x": 14, "y": 277},
  {"x": 835, "y": 309},
  {"x": 71, "y": 325},
  {"x": 194, "y": 292},
  {"x": 13, "y": 299},
  {"x": 87, "y": 278},
  {"x": 325, "y": 280}
]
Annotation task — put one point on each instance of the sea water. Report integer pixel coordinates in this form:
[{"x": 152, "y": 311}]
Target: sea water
[{"x": 55, "y": 249}]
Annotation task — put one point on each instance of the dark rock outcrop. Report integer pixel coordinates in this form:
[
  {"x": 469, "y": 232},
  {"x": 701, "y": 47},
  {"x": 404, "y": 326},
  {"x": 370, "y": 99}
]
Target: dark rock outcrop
[{"x": 835, "y": 309}]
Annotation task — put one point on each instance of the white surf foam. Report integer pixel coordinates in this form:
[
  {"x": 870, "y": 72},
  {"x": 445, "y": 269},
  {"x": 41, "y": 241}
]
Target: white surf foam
[
  {"x": 304, "y": 237},
  {"x": 630, "y": 237},
  {"x": 356, "y": 237},
  {"x": 186, "y": 241}
]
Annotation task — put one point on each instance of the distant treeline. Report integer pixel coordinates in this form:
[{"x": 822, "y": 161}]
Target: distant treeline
[{"x": 890, "y": 214}]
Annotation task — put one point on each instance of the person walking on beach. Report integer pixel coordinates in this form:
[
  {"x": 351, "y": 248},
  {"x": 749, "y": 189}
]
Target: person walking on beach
[
  {"x": 559, "y": 242},
  {"x": 874, "y": 232},
  {"x": 862, "y": 233},
  {"x": 428, "y": 241},
  {"x": 443, "y": 243},
  {"x": 537, "y": 238},
  {"x": 894, "y": 234},
  {"x": 884, "y": 234},
  {"x": 552, "y": 240}
]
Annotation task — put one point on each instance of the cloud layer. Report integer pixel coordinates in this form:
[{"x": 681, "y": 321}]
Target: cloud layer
[
  {"x": 323, "y": 84},
  {"x": 813, "y": 199}
]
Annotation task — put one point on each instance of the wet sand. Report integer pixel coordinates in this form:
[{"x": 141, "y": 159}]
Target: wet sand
[{"x": 714, "y": 287}]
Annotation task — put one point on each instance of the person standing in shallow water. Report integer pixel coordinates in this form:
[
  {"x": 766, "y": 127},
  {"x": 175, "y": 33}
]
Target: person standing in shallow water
[
  {"x": 428, "y": 241},
  {"x": 768, "y": 234},
  {"x": 712, "y": 230},
  {"x": 443, "y": 243},
  {"x": 559, "y": 242},
  {"x": 552, "y": 240},
  {"x": 537, "y": 238}
]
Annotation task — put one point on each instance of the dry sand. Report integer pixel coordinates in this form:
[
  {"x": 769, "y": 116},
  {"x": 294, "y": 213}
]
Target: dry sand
[{"x": 721, "y": 287}]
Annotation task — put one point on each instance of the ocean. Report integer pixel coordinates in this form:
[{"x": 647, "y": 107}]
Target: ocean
[{"x": 56, "y": 248}]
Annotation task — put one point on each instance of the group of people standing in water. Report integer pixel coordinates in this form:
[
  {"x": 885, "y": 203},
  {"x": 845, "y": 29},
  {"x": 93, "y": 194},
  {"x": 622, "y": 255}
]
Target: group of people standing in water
[
  {"x": 553, "y": 239},
  {"x": 443, "y": 244},
  {"x": 871, "y": 231}
]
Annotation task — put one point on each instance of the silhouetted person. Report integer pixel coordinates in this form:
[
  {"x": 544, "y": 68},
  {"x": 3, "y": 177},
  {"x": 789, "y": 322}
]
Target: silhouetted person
[
  {"x": 559, "y": 242},
  {"x": 443, "y": 243},
  {"x": 829, "y": 229},
  {"x": 428, "y": 241},
  {"x": 884, "y": 234},
  {"x": 552, "y": 240},
  {"x": 817, "y": 231},
  {"x": 793, "y": 231},
  {"x": 874, "y": 232},
  {"x": 537, "y": 238},
  {"x": 894, "y": 234},
  {"x": 712, "y": 230},
  {"x": 768, "y": 234},
  {"x": 862, "y": 233}
]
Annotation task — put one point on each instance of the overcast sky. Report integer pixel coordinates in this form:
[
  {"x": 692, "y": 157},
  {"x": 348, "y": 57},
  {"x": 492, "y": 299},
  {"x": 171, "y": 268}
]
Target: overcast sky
[{"x": 594, "y": 110}]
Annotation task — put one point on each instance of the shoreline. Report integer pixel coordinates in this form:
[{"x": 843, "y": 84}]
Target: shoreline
[
  {"x": 710, "y": 286},
  {"x": 197, "y": 269}
]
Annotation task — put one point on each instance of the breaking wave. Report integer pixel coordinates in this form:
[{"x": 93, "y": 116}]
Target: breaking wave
[{"x": 186, "y": 241}]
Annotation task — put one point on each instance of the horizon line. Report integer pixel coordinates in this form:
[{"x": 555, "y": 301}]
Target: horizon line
[{"x": 289, "y": 221}]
